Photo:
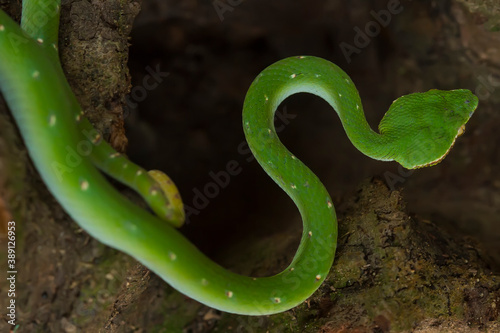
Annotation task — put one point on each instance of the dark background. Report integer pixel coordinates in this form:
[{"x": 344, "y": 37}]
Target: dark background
[{"x": 190, "y": 125}]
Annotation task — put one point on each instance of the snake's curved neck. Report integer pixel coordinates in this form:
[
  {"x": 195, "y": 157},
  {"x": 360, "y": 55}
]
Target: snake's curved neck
[
  {"x": 363, "y": 137},
  {"x": 339, "y": 95}
]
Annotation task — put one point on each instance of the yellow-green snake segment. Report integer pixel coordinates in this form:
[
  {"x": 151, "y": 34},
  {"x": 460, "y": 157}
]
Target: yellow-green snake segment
[{"x": 418, "y": 130}]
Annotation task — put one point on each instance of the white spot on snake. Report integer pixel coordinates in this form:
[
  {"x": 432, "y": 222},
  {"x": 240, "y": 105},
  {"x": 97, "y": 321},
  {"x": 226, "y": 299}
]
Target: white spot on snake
[
  {"x": 39, "y": 40},
  {"x": 84, "y": 185},
  {"x": 113, "y": 155},
  {"x": 310, "y": 233},
  {"x": 266, "y": 98},
  {"x": 347, "y": 80},
  {"x": 293, "y": 186},
  {"x": 78, "y": 118},
  {"x": 35, "y": 74},
  {"x": 269, "y": 130},
  {"x": 52, "y": 120},
  {"x": 54, "y": 46},
  {"x": 2, "y": 27},
  {"x": 130, "y": 226},
  {"x": 317, "y": 75},
  {"x": 172, "y": 256},
  {"x": 204, "y": 282},
  {"x": 329, "y": 203},
  {"x": 293, "y": 157},
  {"x": 138, "y": 173},
  {"x": 292, "y": 269},
  {"x": 318, "y": 277},
  {"x": 277, "y": 300},
  {"x": 229, "y": 293},
  {"x": 340, "y": 95},
  {"x": 357, "y": 106},
  {"x": 293, "y": 76}
]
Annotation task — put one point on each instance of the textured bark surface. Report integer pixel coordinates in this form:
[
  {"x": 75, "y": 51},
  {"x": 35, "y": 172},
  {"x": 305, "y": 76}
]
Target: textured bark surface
[
  {"x": 435, "y": 269},
  {"x": 56, "y": 261}
]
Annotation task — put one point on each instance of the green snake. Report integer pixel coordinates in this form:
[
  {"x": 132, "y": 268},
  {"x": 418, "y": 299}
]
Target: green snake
[{"x": 418, "y": 130}]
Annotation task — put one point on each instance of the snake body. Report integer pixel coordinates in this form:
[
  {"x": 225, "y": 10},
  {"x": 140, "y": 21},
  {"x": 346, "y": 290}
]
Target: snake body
[{"x": 418, "y": 130}]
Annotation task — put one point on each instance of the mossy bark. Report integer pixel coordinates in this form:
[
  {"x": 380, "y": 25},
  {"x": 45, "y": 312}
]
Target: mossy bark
[{"x": 59, "y": 286}]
